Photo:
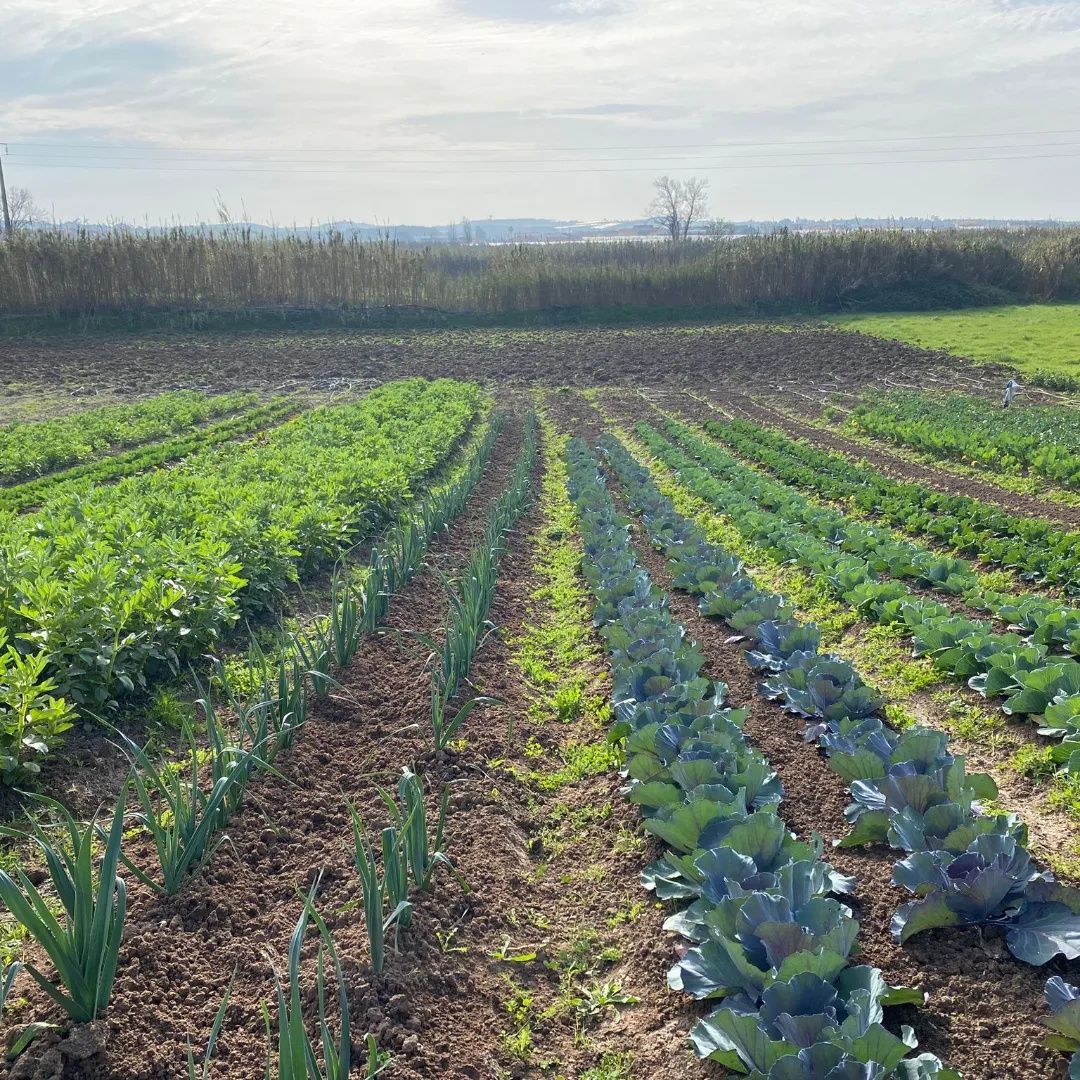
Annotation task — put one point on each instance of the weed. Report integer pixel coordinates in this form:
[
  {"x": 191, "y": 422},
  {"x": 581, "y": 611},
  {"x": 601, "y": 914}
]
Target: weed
[
  {"x": 1035, "y": 762},
  {"x": 585, "y": 954},
  {"x": 602, "y": 996},
  {"x": 579, "y": 761},
  {"x": 629, "y": 842},
  {"x": 614, "y": 1066},
  {"x": 628, "y": 913},
  {"x": 508, "y": 955},
  {"x": 446, "y": 941},
  {"x": 168, "y": 711}
]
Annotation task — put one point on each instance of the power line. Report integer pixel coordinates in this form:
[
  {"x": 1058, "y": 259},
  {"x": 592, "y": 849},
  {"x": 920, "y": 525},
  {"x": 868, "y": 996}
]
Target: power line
[
  {"x": 143, "y": 148},
  {"x": 47, "y": 156},
  {"x": 303, "y": 169}
]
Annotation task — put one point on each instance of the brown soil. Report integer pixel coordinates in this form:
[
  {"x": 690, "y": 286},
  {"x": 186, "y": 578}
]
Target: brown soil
[
  {"x": 698, "y": 410},
  {"x": 972, "y": 980},
  {"x": 626, "y": 410},
  {"x": 552, "y": 870},
  {"x": 690, "y": 356}
]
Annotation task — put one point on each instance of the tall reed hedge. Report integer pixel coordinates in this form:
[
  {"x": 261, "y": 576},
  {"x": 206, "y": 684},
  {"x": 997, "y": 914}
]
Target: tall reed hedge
[{"x": 64, "y": 273}]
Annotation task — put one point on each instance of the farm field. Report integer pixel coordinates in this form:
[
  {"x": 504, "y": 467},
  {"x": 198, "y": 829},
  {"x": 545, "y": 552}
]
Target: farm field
[
  {"x": 1031, "y": 339},
  {"x": 675, "y": 702}
]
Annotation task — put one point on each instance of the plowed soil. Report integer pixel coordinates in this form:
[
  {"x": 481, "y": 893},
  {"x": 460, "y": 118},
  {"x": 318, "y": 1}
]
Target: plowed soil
[
  {"x": 537, "y": 888},
  {"x": 695, "y": 357}
]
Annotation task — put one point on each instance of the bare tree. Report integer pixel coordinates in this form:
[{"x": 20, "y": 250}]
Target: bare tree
[
  {"x": 678, "y": 204},
  {"x": 719, "y": 229},
  {"x": 23, "y": 210}
]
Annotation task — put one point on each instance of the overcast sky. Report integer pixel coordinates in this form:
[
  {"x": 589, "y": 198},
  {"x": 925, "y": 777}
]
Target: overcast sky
[{"x": 424, "y": 111}]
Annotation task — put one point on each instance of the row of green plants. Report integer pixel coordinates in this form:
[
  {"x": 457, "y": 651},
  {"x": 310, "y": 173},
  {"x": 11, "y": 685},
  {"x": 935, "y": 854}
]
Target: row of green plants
[
  {"x": 82, "y": 478},
  {"x": 1031, "y": 667},
  {"x": 770, "y": 939},
  {"x": 1044, "y": 440},
  {"x": 556, "y": 650},
  {"x": 1036, "y": 550},
  {"x": 115, "y": 588},
  {"x": 184, "y": 805},
  {"x": 32, "y": 448},
  {"x": 964, "y": 867},
  {"x": 467, "y": 625}
]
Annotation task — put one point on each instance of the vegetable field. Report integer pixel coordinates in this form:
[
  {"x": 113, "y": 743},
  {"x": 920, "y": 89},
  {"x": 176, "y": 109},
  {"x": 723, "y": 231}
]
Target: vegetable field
[{"x": 571, "y": 704}]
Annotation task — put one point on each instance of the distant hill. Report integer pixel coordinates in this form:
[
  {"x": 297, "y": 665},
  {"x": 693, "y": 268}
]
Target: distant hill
[{"x": 539, "y": 230}]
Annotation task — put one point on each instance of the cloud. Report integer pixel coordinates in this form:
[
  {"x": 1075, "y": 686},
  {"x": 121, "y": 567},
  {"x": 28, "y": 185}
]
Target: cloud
[
  {"x": 98, "y": 68},
  {"x": 370, "y": 85},
  {"x": 539, "y": 11}
]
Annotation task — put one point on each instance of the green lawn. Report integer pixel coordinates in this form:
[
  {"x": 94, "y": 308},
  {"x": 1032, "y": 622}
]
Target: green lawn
[{"x": 1032, "y": 338}]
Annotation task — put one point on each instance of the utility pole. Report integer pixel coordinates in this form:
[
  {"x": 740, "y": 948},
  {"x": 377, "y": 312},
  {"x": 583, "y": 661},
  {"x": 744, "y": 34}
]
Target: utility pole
[{"x": 3, "y": 194}]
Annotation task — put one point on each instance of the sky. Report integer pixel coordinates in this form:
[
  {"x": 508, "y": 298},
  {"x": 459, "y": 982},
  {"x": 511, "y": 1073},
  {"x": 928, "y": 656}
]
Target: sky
[{"x": 425, "y": 111}]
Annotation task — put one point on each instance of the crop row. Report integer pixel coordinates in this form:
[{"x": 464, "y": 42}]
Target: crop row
[
  {"x": 1043, "y": 440},
  {"x": 964, "y": 867},
  {"x": 768, "y": 936},
  {"x": 120, "y": 585},
  {"x": 184, "y": 816},
  {"x": 466, "y": 625},
  {"x": 29, "y": 449},
  {"x": 114, "y": 467},
  {"x": 1036, "y": 550},
  {"x": 1027, "y": 670}
]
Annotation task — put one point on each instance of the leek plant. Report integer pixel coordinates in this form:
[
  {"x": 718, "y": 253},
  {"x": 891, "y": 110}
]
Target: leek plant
[
  {"x": 183, "y": 820},
  {"x": 467, "y": 623},
  {"x": 226, "y": 757},
  {"x": 7, "y": 979},
  {"x": 374, "y": 603},
  {"x": 269, "y": 720},
  {"x": 377, "y": 889},
  {"x": 404, "y": 552},
  {"x": 84, "y": 943},
  {"x": 315, "y": 649},
  {"x": 346, "y": 625},
  {"x": 445, "y": 726},
  {"x": 211, "y": 1045},
  {"x": 422, "y": 853},
  {"x": 296, "y": 1056},
  {"x": 395, "y": 862}
]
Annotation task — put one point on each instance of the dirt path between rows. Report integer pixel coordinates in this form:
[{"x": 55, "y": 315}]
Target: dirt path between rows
[
  {"x": 972, "y": 980},
  {"x": 896, "y": 467}
]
